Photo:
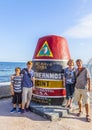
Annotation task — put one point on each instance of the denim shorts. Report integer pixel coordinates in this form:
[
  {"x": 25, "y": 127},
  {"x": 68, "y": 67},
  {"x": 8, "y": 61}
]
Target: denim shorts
[{"x": 69, "y": 91}]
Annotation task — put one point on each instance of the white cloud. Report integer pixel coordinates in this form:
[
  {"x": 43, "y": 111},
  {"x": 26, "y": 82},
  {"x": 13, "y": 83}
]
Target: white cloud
[
  {"x": 82, "y": 30},
  {"x": 82, "y": 44}
]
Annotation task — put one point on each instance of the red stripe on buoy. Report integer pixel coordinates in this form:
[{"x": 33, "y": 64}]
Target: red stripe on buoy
[
  {"x": 50, "y": 92},
  {"x": 56, "y": 45}
]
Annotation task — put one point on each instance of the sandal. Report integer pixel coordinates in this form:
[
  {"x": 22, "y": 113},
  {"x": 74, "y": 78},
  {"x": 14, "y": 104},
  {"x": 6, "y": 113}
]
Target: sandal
[
  {"x": 70, "y": 107},
  {"x": 88, "y": 119},
  {"x": 79, "y": 113}
]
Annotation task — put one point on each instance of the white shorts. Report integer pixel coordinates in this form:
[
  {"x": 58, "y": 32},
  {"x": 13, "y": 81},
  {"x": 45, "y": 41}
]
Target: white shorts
[
  {"x": 81, "y": 92},
  {"x": 26, "y": 94}
]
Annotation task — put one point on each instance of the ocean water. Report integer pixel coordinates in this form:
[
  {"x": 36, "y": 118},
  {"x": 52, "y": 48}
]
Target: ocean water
[{"x": 7, "y": 69}]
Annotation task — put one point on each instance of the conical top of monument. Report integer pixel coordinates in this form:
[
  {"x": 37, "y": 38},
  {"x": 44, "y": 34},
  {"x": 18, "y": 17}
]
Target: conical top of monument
[{"x": 52, "y": 47}]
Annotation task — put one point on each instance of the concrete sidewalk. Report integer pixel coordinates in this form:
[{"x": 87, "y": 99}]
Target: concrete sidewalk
[{"x": 31, "y": 121}]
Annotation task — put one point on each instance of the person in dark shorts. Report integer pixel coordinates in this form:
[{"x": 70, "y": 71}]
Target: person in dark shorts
[{"x": 16, "y": 90}]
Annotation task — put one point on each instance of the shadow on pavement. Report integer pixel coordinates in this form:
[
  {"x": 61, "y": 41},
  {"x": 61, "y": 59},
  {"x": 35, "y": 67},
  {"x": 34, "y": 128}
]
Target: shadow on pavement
[
  {"x": 75, "y": 117},
  {"x": 6, "y": 106}
]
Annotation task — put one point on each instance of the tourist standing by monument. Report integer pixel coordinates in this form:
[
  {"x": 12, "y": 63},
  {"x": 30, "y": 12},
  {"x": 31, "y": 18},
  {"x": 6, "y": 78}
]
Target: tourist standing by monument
[
  {"x": 27, "y": 84},
  {"x": 16, "y": 89},
  {"x": 69, "y": 82},
  {"x": 82, "y": 88}
]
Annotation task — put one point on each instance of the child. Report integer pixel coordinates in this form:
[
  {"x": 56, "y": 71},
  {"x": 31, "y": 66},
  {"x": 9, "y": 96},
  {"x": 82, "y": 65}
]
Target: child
[{"x": 16, "y": 89}]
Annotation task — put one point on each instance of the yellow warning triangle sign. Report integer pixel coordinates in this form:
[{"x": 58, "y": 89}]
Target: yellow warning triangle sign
[{"x": 45, "y": 50}]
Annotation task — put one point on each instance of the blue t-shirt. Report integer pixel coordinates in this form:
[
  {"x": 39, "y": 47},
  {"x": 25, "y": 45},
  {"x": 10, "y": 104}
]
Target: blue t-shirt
[
  {"x": 27, "y": 82},
  {"x": 69, "y": 76}
]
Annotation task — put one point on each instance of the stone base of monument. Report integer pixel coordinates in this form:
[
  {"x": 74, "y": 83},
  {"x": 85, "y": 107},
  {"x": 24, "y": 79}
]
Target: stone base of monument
[
  {"x": 49, "y": 101},
  {"x": 50, "y": 112}
]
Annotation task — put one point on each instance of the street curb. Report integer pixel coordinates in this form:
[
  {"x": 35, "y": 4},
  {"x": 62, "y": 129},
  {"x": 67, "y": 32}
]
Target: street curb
[{"x": 5, "y": 91}]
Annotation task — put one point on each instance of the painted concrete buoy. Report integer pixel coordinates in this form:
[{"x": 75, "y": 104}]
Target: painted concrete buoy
[{"x": 49, "y": 60}]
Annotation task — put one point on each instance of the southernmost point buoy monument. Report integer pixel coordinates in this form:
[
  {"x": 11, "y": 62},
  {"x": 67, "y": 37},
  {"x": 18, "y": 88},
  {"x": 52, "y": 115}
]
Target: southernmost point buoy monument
[{"x": 49, "y": 60}]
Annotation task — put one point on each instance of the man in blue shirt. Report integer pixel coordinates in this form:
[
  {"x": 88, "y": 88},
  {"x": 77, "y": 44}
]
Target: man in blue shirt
[{"x": 27, "y": 84}]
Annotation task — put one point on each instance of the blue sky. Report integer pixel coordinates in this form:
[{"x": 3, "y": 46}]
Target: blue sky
[{"x": 23, "y": 22}]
